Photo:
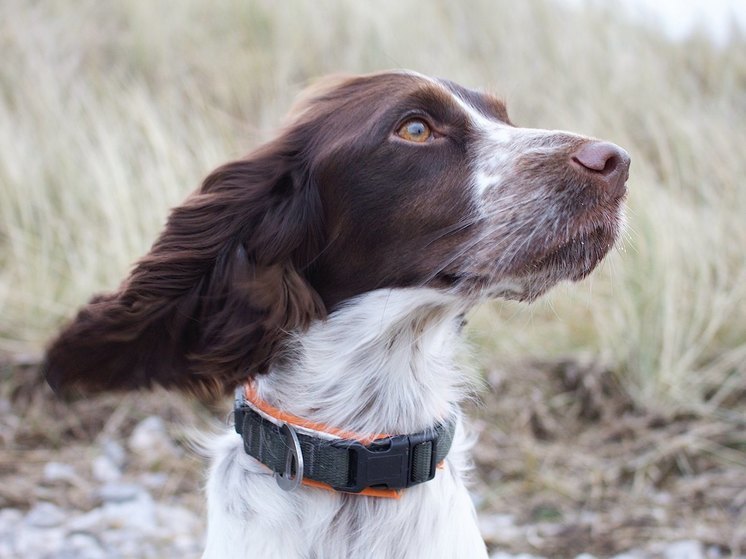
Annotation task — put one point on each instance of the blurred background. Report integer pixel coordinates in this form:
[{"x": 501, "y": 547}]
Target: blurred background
[{"x": 613, "y": 416}]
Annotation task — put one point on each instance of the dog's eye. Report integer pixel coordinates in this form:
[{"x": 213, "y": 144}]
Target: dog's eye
[{"x": 415, "y": 130}]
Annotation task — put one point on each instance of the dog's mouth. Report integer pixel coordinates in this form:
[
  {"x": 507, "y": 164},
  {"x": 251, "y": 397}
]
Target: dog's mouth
[
  {"x": 537, "y": 270},
  {"x": 478, "y": 286}
]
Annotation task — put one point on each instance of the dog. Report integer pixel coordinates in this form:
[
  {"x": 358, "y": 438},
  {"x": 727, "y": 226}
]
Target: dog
[{"x": 325, "y": 277}]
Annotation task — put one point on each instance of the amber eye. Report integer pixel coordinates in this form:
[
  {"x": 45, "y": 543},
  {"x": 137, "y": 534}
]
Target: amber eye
[{"x": 415, "y": 130}]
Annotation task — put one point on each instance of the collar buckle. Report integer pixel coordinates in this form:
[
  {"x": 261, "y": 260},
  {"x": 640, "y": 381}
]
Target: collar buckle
[{"x": 390, "y": 463}]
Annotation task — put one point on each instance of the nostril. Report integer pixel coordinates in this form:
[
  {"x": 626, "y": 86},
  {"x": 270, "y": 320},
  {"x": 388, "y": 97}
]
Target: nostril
[
  {"x": 599, "y": 166},
  {"x": 601, "y": 157}
]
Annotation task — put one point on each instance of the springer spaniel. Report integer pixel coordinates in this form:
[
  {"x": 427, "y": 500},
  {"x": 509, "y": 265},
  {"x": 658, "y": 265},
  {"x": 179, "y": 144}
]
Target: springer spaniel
[{"x": 327, "y": 274}]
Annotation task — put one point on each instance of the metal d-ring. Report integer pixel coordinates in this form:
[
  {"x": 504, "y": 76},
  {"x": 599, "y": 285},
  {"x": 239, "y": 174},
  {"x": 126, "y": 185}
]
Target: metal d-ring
[{"x": 286, "y": 480}]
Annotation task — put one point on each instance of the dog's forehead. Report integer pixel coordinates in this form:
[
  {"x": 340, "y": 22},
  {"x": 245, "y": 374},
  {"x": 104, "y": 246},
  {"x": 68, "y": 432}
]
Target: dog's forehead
[
  {"x": 484, "y": 104},
  {"x": 477, "y": 104},
  {"x": 374, "y": 93}
]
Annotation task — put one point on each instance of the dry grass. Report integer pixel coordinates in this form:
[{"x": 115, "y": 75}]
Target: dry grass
[
  {"x": 112, "y": 112},
  {"x": 109, "y": 114},
  {"x": 565, "y": 450}
]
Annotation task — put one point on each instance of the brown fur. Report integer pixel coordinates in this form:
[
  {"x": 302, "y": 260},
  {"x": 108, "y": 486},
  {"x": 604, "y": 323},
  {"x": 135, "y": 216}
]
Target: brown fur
[
  {"x": 212, "y": 298},
  {"x": 336, "y": 206}
]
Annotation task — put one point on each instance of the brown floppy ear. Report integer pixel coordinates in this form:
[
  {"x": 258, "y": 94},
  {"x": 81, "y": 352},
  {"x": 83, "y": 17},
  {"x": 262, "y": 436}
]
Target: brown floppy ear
[{"x": 208, "y": 306}]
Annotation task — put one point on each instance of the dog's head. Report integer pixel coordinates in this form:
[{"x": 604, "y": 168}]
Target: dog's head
[{"x": 379, "y": 181}]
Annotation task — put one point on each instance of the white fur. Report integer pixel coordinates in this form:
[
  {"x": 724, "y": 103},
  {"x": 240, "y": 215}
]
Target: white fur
[
  {"x": 381, "y": 363},
  {"x": 500, "y": 143}
]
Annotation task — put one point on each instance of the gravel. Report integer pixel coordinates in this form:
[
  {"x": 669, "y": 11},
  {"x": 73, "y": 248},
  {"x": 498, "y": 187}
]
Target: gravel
[
  {"x": 133, "y": 492},
  {"x": 129, "y": 523}
]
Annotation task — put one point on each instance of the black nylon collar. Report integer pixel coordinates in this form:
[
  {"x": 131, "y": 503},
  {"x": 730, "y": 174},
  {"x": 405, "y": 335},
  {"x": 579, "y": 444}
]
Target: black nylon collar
[{"x": 342, "y": 464}]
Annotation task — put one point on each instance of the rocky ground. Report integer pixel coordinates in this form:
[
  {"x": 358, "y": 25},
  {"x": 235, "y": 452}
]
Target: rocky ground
[
  {"x": 115, "y": 477},
  {"x": 114, "y": 499}
]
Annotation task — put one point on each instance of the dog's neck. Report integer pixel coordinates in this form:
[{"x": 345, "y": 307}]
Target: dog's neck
[{"x": 382, "y": 363}]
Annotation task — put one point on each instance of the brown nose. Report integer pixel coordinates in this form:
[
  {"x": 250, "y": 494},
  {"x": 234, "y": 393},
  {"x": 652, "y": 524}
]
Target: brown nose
[{"x": 606, "y": 161}]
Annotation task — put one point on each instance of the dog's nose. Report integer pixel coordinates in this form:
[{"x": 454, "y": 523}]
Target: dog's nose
[{"x": 606, "y": 161}]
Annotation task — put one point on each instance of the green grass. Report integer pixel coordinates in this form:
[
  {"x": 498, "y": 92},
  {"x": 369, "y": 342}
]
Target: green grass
[{"x": 110, "y": 113}]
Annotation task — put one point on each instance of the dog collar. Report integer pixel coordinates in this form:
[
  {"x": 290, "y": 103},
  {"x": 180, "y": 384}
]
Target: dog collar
[{"x": 302, "y": 452}]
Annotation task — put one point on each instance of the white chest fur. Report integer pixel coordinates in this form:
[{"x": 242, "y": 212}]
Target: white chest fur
[{"x": 382, "y": 363}]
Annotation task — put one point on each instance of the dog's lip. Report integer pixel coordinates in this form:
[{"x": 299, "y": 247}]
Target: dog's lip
[
  {"x": 576, "y": 256},
  {"x": 460, "y": 280},
  {"x": 454, "y": 278}
]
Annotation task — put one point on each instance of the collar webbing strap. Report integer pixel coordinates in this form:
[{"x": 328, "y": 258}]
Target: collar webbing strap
[{"x": 344, "y": 464}]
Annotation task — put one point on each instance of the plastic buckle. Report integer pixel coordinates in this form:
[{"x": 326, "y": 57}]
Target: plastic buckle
[{"x": 385, "y": 463}]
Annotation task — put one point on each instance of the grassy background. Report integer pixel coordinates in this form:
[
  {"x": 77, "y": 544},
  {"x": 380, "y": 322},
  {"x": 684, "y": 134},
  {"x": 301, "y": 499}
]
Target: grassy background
[{"x": 111, "y": 112}]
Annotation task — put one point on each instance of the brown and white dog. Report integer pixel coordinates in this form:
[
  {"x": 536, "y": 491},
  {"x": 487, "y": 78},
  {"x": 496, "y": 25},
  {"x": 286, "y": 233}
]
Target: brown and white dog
[{"x": 331, "y": 268}]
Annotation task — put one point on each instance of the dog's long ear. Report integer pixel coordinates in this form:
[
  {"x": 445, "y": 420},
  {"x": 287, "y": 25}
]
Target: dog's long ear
[{"x": 219, "y": 289}]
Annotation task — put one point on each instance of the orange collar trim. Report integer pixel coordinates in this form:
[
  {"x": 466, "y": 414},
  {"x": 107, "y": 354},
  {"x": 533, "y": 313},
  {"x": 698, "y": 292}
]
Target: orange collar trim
[
  {"x": 253, "y": 398},
  {"x": 272, "y": 412}
]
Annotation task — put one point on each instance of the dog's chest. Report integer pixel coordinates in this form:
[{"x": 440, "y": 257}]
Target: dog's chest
[{"x": 258, "y": 519}]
